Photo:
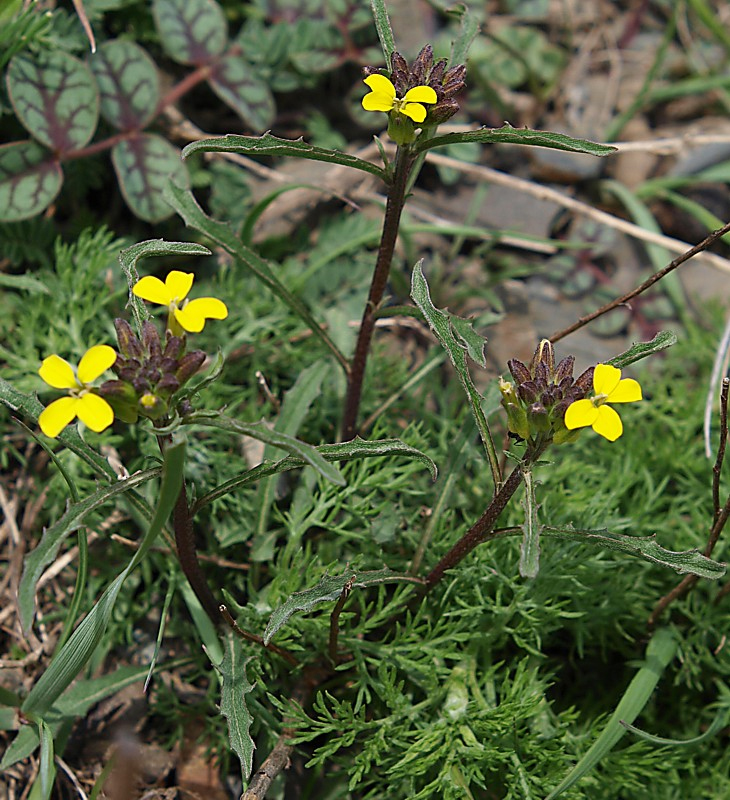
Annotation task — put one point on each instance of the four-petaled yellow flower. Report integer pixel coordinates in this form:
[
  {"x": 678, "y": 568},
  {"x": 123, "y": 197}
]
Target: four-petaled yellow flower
[
  {"x": 189, "y": 315},
  {"x": 92, "y": 410},
  {"x": 382, "y": 98},
  {"x": 609, "y": 387}
]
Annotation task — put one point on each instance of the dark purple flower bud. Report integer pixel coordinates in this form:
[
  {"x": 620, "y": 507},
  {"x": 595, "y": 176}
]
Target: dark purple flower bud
[
  {"x": 436, "y": 78},
  {"x": 167, "y": 385},
  {"x": 129, "y": 344},
  {"x": 564, "y": 369},
  {"x": 422, "y": 66},
  {"x": 585, "y": 381},
  {"x": 168, "y": 366},
  {"x": 454, "y": 80},
  {"x": 519, "y": 371},
  {"x": 399, "y": 74},
  {"x": 559, "y": 409},
  {"x": 189, "y": 364},
  {"x": 151, "y": 339},
  {"x": 128, "y": 372},
  {"x": 541, "y": 373},
  {"x": 140, "y": 385},
  {"x": 550, "y": 396},
  {"x": 117, "y": 389},
  {"x": 528, "y": 391},
  {"x": 564, "y": 385},
  {"x": 173, "y": 348},
  {"x": 544, "y": 354},
  {"x": 442, "y": 111}
]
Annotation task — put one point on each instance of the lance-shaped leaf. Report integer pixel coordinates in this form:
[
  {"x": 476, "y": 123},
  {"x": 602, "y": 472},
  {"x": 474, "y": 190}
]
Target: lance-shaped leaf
[
  {"x": 639, "y": 350},
  {"x": 144, "y": 165},
  {"x": 684, "y": 561},
  {"x": 53, "y": 537},
  {"x": 268, "y": 145},
  {"x": 72, "y": 657},
  {"x": 233, "y": 702},
  {"x": 347, "y": 451},
  {"x": 509, "y": 135},
  {"x": 283, "y": 441},
  {"x": 659, "y": 653},
  {"x": 30, "y": 180},
  {"x": 236, "y": 83},
  {"x": 129, "y": 84},
  {"x": 457, "y": 343},
  {"x": 530, "y": 547},
  {"x": 55, "y": 98},
  {"x": 191, "y": 31},
  {"x": 328, "y": 589}
]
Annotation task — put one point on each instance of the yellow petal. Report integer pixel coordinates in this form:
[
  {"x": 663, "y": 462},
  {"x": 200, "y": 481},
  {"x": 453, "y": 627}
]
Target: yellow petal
[
  {"x": 421, "y": 94},
  {"x": 605, "y": 378},
  {"x": 179, "y": 284},
  {"x": 94, "y": 412},
  {"x": 55, "y": 417},
  {"x": 97, "y": 359},
  {"x": 608, "y": 423},
  {"x": 415, "y": 111},
  {"x": 377, "y": 101},
  {"x": 192, "y": 317},
  {"x": 381, "y": 85},
  {"x": 627, "y": 391},
  {"x": 580, "y": 414},
  {"x": 57, "y": 372},
  {"x": 153, "y": 290}
]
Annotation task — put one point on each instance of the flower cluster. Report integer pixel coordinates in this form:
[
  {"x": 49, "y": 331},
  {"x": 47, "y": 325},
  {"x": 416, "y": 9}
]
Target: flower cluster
[
  {"x": 403, "y": 95},
  {"x": 536, "y": 403},
  {"x": 148, "y": 372},
  {"x": 547, "y": 403}
]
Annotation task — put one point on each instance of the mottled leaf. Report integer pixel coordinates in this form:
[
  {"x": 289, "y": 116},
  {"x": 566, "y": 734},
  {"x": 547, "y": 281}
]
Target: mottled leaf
[
  {"x": 55, "y": 98},
  {"x": 30, "y": 180},
  {"x": 328, "y": 589},
  {"x": 191, "y": 31},
  {"x": 233, "y": 702},
  {"x": 129, "y": 84},
  {"x": 144, "y": 165},
  {"x": 236, "y": 83},
  {"x": 530, "y": 547}
]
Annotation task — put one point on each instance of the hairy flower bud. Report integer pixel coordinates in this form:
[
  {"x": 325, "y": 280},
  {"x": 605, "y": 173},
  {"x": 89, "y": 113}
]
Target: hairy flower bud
[
  {"x": 189, "y": 364},
  {"x": 129, "y": 344}
]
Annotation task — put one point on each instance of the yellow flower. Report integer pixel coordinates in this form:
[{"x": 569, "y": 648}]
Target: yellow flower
[
  {"x": 92, "y": 410},
  {"x": 609, "y": 387},
  {"x": 189, "y": 315},
  {"x": 382, "y": 98}
]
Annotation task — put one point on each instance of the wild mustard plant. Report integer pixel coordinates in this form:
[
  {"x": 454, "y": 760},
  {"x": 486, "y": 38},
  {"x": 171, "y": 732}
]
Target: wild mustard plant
[{"x": 340, "y": 674}]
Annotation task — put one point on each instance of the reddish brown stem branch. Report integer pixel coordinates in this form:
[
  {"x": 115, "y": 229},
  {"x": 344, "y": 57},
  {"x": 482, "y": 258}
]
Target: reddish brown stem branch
[
  {"x": 391, "y": 222},
  {"x": 253, "y": 637},
  {"x": 657, "y": 276}
]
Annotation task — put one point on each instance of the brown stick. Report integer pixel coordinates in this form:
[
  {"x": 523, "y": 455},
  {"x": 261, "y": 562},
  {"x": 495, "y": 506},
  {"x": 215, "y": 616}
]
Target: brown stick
[{"x": 657, "y": 276}]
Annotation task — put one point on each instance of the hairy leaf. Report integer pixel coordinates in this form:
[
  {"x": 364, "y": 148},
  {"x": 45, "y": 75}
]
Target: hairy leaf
[
  {"x": 30, "y": 180},
  {"x": 684, "y": 561},
  {"x": 268, "y": 145},
  {"x": 441, "y": 323},
  {"x": 72, "y": 657},
  {"x": 530, "y": 547},
  {"x": 47, "y": 550},
  {"x": 233, "y": 702},
  {"x": 328, "y": 589},
  {"x": 509, "y": 135},
  {"x": 129, "y": 84},
  {"x": 347, "y": 451},
  {"x": 191, "y": 31},
  {"x": 144, "y": 165},
  {"x": 639, "y": 350},
  {"x": 55, "y": 98}
]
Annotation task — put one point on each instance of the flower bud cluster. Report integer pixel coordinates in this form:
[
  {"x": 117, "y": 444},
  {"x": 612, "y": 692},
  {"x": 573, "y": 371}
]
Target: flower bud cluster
[
  {"x": 424, "y": 72},
  {"x": 536, "y": 403},
  {"x": 148, "y": 373}
]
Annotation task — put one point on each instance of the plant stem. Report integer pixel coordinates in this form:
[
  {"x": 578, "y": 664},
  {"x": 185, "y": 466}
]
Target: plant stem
[
  {"x": 391, "y": 222},
  {"x": 480, "y": 530}
]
